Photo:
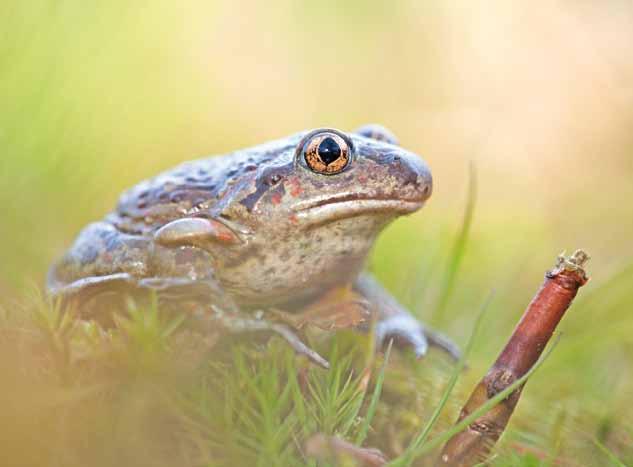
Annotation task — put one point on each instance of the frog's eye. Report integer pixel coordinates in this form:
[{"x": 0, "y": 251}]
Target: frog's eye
[{"x": 327, "y": 152}]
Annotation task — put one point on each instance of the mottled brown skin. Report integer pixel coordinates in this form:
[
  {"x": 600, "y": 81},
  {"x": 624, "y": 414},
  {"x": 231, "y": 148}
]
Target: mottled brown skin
[{"x": 256, "y": 229}]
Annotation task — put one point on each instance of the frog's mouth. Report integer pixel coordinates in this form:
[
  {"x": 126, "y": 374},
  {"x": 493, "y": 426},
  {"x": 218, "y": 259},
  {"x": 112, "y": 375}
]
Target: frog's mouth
[{"x": 352, "y": 205}]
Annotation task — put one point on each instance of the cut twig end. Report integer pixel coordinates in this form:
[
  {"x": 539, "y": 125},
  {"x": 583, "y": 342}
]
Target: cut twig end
[{"x": 571, "y": 264}]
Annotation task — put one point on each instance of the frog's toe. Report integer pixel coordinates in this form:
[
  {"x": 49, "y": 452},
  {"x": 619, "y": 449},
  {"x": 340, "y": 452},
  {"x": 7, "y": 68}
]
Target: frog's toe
[
  {"x": 297, "y": 344},
  {"x": 444, "y": 343},
  {"x": 406, "y": 332},
  {"x": 240, "y": 325},
  {"x": 410, "y": 333}
]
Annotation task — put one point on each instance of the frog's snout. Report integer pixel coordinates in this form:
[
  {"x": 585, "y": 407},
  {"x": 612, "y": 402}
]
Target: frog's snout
[{"x": 414, "y": 175}]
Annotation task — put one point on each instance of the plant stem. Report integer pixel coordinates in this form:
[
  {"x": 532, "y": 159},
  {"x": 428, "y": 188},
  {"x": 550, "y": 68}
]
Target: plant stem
[{"x": 473, "y": 444}]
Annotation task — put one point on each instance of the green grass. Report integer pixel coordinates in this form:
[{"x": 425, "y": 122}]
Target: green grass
[
  {"x": 149, "y": 391},
  {"x": 419, "y": 442}
]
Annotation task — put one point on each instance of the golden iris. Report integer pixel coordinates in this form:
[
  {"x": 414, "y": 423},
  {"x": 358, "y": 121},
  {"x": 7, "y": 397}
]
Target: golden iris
[{"x": 327, "y": 153}]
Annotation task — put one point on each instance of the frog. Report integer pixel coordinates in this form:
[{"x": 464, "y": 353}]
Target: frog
[{"x": 279, "y": 229}]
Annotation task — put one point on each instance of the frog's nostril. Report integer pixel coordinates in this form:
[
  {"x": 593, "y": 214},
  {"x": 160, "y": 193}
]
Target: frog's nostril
[{"x": 274, "y": 179}]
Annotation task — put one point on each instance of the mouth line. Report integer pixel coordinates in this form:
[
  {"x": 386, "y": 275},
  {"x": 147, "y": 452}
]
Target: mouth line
[
  {"x": 351, "y": 199},
  {"x": 346, "y": 206}
]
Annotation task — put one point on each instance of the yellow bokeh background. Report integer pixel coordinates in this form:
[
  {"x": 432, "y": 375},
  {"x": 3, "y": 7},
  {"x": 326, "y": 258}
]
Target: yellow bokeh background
[{"x": 95, "y": 96}]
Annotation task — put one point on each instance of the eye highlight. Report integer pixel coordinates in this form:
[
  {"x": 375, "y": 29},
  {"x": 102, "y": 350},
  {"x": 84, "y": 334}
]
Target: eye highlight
[{"x": 327, "y": 153}]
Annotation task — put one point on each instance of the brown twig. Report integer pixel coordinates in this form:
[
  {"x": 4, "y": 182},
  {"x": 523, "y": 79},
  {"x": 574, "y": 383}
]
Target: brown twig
[{"x": 525, "y": 346}]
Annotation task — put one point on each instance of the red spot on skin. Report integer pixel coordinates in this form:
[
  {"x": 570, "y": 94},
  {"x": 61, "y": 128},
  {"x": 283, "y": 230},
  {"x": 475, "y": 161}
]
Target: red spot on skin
[
  {"x": 362, "y": 179},
  {"x": 293, "y": 219},
  {"x": 226, "y": 237},
  {"x": 275, "y": 198},
  {"x": 295, "y": 187},
  {"x": 224, "y": 234}
]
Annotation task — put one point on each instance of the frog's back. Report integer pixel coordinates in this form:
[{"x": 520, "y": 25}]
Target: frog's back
[
  {"x": 122, "y": 242},
  {"x": 189, "y": 188}
]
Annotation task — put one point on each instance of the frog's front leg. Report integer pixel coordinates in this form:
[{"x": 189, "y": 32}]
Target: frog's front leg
[
  {"x": 395, "y": 321},
  {"x": 240, "y": 323}
]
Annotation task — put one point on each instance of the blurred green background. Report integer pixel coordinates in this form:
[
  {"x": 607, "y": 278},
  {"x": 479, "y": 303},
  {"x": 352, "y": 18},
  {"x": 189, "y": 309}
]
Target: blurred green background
[{"x": 95, "y": 96}]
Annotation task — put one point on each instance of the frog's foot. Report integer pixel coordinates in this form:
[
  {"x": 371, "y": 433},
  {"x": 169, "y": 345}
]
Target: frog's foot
[
  {"x": 408, "y": 332},
  {"x": 238, "y": 325},
  {"x": 395, "y": 321}
]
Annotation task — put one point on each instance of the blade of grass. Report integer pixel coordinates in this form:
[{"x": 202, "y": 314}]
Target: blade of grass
[
  {"x": 446, "y": 435},
  {"x": 459, "y": 247},
  {"x": 607, "y": 452},
  {"x": 358, "y": 403},
  {"x": 406, "y": 459},
  {"x": 373, "y": 404}
]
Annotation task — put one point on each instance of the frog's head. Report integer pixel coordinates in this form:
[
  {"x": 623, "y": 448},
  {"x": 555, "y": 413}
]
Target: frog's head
[
  {"x": 360, "y": 175},
  {"x": 315, "y": 208}
]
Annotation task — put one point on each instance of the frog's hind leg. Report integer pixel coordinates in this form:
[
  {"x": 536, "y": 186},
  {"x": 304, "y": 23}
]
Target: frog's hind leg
[
  {"x": 121, "y": 285},
  {"x": 106, "y": 266},
  {"x": 83, "y": 290},
  {"x": 101, "y": 253},
  {"x": 102, "y": 260},
  {"x": 394, "y": 321}
]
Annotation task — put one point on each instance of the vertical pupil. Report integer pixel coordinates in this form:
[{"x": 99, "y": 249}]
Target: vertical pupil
[{"x": 329, "y": 150}]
